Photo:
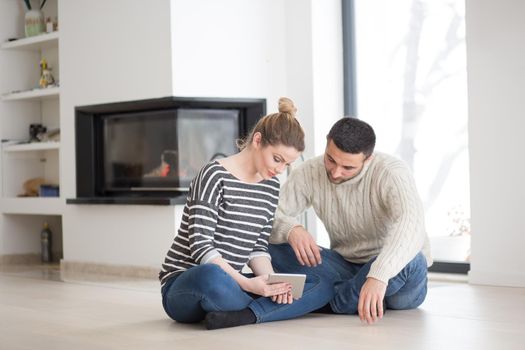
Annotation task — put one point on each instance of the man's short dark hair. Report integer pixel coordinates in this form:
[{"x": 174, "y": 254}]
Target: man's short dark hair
[{"x": 352, "y": 135}]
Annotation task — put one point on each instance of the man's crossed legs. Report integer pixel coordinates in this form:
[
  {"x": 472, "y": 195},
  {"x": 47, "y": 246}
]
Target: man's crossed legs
[{"x": 406, "y": 290}]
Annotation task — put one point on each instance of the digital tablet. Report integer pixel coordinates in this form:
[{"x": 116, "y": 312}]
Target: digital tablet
[{"x": 295, "y": 279}]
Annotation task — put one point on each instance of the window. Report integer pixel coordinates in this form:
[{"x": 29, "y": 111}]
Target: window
[{"x": 406, "y": 75}]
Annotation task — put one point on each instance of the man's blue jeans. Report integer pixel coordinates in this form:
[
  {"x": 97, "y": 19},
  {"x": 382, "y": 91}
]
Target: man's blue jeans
[
  {"x": 205, "y": 288},
  {"x": 407, "y": 290}
]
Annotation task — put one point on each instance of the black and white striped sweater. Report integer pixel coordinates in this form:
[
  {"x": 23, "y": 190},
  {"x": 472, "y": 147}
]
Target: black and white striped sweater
[{"x": 223, "y": 216}]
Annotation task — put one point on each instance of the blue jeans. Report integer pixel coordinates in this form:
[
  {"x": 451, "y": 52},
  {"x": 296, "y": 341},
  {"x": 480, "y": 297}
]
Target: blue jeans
[
  {"x": 205, "y": 288},
  {"x": 406, "y": 290}
]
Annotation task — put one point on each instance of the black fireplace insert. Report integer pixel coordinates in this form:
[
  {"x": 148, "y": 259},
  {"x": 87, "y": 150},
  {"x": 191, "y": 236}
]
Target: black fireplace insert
[{"x": 148, "y": 151}]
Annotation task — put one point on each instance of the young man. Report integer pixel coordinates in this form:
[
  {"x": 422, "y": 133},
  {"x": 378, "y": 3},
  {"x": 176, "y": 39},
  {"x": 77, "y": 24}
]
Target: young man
[{"x": 370, "y": 207}]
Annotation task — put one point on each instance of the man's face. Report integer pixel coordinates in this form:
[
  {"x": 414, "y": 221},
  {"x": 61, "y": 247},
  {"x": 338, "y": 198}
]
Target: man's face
[{"x": 341, "y": 166}]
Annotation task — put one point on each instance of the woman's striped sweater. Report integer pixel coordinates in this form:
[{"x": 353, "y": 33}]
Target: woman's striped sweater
[{"x": 225, "y": 217}]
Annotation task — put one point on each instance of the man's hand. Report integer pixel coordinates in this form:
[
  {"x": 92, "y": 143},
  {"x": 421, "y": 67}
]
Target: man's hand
[
  {"x": 370, "y": 306},
  {"x": 304, "y": 246}
]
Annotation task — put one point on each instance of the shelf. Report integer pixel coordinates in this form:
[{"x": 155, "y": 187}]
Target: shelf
[
  {"x": 36, "y": 94},
  {"x": 35, "y": 146},
  {"x": 34, "y": 43},
  {"x": 33, "y": 205}
]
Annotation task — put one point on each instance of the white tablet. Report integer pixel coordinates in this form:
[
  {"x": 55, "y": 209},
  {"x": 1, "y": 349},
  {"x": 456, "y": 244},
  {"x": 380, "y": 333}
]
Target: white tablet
[{"x": 295, "y": 279}]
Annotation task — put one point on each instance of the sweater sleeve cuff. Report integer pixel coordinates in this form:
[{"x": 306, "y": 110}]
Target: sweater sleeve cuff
[
  {"x": 379, "y": 273},
  {"x": 257, "y": 254},
  {"x": 209, "y": 256},
  {"x": 290, "y": 230},
  {"x": 281, "y": 234}
]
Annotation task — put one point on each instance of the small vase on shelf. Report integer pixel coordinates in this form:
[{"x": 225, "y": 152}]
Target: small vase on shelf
[{"x": 34, "y": 23}]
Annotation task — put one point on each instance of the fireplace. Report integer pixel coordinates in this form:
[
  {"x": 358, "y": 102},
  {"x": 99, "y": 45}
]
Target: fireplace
[{"x": 148, "y": 151}]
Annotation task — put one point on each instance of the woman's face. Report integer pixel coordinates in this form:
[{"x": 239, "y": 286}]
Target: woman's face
[{"x": 272, "y": 160}]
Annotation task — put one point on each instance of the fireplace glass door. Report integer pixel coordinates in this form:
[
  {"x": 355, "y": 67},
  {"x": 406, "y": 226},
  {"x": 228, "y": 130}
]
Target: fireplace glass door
[{"x": 163, "y": 150}]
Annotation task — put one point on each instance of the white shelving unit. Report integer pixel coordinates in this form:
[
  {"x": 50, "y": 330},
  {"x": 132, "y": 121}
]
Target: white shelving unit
[
  {"x": 35, "y": 43},
  {"x": 23, "y": 103},
  {"x": 27, "y": 104},
  {"x": 35, "y": 94},
  {"x": 29, "y": 147},
  {"x": 32, "y": 206}
]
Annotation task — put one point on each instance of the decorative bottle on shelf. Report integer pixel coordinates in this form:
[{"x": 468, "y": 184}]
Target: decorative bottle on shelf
[
  {"x": 45, "y": 243},
  {"x": 34, "y": 23},
  {"x": 49, "y": 25}
]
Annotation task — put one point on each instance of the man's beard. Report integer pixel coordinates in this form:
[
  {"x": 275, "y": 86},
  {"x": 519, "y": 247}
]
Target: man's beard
[{"x": 338, "y": 181}]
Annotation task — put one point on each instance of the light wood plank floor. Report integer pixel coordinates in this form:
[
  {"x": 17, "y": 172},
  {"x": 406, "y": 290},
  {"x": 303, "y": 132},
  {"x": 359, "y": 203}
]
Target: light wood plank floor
[{"x": 39, "y": 312}]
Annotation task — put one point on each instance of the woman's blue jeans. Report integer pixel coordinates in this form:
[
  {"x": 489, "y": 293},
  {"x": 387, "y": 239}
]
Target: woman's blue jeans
[
  {"x": 205, "y": 288},
  {"x": 406, "y": 290}
]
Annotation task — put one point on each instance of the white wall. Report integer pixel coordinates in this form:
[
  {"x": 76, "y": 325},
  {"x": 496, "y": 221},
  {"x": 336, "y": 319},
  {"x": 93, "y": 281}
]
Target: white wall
[
  {"x": 496, "y": 83},
  {"x": 230, "y": 48},
  {"x": 112, "y": 51},
  {"x": 327, "y": 59},
  {"x": 262, "y": 48}
]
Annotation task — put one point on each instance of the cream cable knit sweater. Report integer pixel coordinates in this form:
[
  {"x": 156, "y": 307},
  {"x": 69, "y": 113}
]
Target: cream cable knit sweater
[{"x": 377, "y": 213}]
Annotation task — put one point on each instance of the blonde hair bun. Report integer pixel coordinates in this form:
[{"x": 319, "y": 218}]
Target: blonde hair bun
[
  {"x": 278, "y": 128},
  {"x": 286, "y": 106}
]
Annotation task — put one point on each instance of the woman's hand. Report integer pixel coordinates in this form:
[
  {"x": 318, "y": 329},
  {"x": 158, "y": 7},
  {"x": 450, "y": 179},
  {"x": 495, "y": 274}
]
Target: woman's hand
[
  {"x": 259, "y": 285},
  {"x": 285, "y": 298}
]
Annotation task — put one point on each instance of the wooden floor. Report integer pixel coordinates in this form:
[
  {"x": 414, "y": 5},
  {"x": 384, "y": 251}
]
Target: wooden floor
[{"x": 37, "y": 311}]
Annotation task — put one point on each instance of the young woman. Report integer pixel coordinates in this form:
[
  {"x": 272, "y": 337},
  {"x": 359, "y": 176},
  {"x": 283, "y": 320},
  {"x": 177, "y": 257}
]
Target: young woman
[{"x": 226, "y": 223}]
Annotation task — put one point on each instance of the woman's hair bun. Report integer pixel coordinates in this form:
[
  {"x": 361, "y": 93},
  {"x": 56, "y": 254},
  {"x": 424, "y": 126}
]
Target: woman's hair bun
[
  {"x": 286, "y": 106},
  {"x": 281, "y": 128}
]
